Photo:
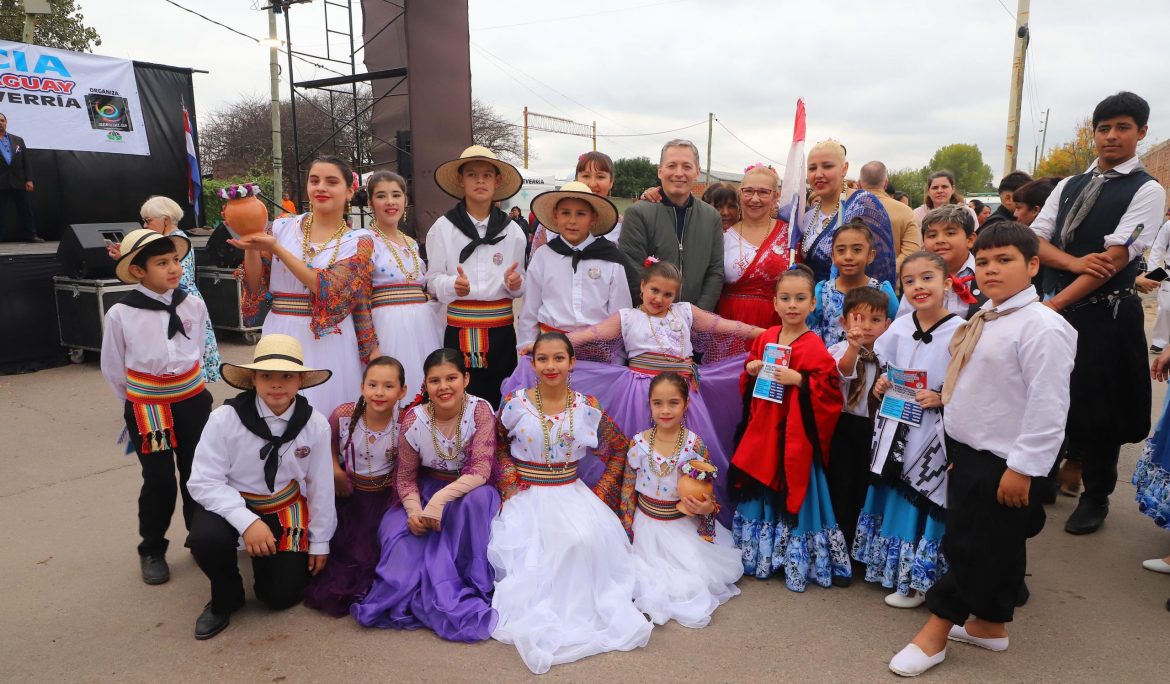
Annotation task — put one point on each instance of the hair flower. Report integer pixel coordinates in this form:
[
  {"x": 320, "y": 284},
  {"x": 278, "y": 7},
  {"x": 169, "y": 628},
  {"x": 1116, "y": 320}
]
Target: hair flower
[{"x": 650, "y": 261}]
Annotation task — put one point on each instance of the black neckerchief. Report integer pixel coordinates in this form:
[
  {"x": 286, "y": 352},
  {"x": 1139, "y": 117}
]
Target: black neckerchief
[
  {"x": 600, "y": 249},
  {"x": 245, "y": 406},
  {"x": 497, "y": 223},
  {"x": 925, "y": 336},
  {"x": 139, "y": 300}
]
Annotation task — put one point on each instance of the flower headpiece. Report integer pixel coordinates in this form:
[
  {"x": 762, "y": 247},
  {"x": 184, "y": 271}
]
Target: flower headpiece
[
  {"x": 238, "y": 191},
  {"x": 356, "y": 180},
  {"x": 650, "y": 261},
  {"x": 758, "y": 165}
]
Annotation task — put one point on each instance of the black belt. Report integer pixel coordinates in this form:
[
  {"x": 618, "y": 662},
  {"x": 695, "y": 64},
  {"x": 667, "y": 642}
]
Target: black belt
[{"x": 1109, "y": 299}]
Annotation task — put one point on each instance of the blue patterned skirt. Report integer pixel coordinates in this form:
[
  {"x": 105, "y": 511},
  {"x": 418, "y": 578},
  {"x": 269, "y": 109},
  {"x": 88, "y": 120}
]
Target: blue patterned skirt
[
  {"x": 899, "y": 541},
  {"x": 1152, "y": 474}
]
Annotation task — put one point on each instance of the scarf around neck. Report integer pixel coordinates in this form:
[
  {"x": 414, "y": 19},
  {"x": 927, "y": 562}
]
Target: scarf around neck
[
  {"x": 498, "y": 223},
  {"x": 600, "y": 249},
  {"x": 245, "y": 407},
  {"x": 1084, "y": 202},
  {"x": 138, "y": 300}
]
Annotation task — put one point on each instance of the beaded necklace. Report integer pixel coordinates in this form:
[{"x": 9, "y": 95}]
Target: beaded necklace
[
  {"x": 663, "y": 469},
  {"x": 675, "y": 325},
  {"x": 309, "y": 252},
  {"x": 416, "y": 270},
  {"x": 546, "y": 424},
  {"x": 372, "y": 436},
  {"x": 458, "y": 450},
  {"x": 818, "y": 221}
]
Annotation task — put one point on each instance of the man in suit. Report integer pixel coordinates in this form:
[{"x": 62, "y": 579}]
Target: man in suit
[{"x": 16, "y": 181}]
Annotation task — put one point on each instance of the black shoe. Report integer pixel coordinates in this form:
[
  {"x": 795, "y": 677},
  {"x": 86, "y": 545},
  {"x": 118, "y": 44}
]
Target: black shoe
[
  {"x": 1155, "y": 349},
  {"x": 1087, "y": 518},
  {"x": 841, "y": 581},
  {"x": 154, "y": 569},
  {"x": 210, "y": 623},
  {"x": 1022, "y": 594},
  {"x": 35, "y": 238}
]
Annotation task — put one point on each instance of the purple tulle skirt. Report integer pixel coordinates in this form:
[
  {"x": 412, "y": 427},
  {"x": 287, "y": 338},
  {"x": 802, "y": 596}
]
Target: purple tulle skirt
[
  {"x": 442, "y": 580},
  {"x": 353, "y": 552},
  {"x": 714, "y": 411}
]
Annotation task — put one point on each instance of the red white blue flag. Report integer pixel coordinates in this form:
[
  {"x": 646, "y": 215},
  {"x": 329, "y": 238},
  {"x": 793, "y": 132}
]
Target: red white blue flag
[
  {"x": 795, "y": 187},
  {"x": 194, "y": 181}
]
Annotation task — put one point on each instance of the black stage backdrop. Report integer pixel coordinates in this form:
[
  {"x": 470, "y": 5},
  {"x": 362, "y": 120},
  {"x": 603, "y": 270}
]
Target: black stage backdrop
[{"x": 93, "y": 187}]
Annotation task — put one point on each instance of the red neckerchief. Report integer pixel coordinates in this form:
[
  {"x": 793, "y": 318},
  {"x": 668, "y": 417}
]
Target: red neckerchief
[{"x": 961, "y": 287}]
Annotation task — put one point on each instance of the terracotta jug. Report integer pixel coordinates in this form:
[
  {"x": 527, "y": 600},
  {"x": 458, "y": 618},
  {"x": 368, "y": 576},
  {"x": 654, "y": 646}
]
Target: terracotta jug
[
  {"x": 245, "y": 215},
  {"x": 698, "y": 480}
]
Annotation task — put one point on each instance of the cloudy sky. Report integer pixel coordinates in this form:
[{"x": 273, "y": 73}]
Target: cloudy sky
[{"x": 892, "y": 80}]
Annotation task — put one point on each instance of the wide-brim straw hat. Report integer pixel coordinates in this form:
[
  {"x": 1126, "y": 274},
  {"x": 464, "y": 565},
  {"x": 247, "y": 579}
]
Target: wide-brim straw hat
[
  {"x": 278, "y": 353},
  {"x": 134, "y": 243},
  {"x": 544, "y": 206},
  {"x": 447, "y": 175}
]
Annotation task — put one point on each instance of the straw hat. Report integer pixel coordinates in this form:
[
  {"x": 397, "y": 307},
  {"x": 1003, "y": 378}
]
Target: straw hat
[
  {"x": 275, "y": 352},
  {"x": 133, "y": 243},
  {"x": 447, "y": 175},
  {"x": 544, "y": 206}
]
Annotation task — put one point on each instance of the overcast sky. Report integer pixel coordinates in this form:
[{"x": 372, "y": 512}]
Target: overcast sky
[{"x": 892, "y": 80}]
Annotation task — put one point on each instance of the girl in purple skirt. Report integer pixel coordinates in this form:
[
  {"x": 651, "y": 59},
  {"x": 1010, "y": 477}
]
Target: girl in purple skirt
[
  {"x": 365, "y": 444},
  {"x": 434, "y": 570}
]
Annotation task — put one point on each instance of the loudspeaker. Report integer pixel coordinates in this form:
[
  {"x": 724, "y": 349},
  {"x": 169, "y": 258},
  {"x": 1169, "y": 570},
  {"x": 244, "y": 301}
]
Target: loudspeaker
[
  {"x": 218, "y": 252},
  {"x": 82, "y": 250}
]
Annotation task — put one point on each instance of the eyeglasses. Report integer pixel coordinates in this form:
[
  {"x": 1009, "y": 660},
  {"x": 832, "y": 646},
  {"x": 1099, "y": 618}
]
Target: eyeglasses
[
  {"x": 756, "y": 192},
  {"x": 147, "y": 219}
]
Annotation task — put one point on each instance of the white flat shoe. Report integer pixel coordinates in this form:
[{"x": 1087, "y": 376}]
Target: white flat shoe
[
  {"x": 1157, "y": 565},
  {"x": 912, "y": 661},
  {"x": 896, "y": 600},
  {"x": 959, "y": 633}
]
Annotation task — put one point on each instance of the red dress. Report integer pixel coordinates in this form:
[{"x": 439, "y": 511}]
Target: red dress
[{"x": 749, "y": 299}]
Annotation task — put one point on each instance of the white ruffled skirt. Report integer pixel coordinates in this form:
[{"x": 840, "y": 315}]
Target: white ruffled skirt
[
  {"x": 681, "y": 576},
  {"x": 564, "y": 578}
]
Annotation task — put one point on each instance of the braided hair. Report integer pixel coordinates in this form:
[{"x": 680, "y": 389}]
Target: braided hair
[{"x": 359, "y": 407}]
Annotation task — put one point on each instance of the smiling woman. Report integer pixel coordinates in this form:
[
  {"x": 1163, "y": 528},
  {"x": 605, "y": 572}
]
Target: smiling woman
[{"x": 755, "y": 252}]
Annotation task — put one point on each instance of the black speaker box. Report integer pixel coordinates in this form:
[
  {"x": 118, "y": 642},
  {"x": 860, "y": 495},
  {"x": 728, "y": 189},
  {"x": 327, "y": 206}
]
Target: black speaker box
[
  {"x": 82, "y": 250},
  {"x": 218, "y": 252}
]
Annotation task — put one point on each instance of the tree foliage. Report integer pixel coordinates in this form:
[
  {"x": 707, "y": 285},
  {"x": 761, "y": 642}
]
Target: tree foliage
[
  {"x": 912, "y": 182},
  {"x": 64, "y": 29},
  {"x": 1072, "y": 157},
  {"x": 489, "y": 129},
  {"x": 633, "y": 175},
  {"x": 966, "y": 162}
]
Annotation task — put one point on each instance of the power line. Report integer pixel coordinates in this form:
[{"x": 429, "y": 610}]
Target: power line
[
  {"x": 741, "y": 142},
  {"x": 1005, "y": 9},
  {"x": 642, "y": 135}
]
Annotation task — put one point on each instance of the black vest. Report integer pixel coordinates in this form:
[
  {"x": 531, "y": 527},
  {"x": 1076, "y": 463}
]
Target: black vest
[{"x": 1101, "y": 221}]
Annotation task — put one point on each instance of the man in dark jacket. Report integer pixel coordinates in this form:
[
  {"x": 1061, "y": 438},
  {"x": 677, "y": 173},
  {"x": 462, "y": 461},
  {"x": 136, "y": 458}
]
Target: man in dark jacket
[
  {"x": 680, "y": 229},
  {"x": 16, "y": 181},
  {"x": 1006, "y": 211}
]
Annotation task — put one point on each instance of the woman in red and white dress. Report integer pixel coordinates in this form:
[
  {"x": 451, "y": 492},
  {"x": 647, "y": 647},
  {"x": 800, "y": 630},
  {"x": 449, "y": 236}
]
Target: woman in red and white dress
[{"x": 755, "y": 252}]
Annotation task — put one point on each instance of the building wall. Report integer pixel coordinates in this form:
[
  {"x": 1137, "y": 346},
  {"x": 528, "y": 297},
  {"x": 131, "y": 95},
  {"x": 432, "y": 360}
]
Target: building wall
[{"x": 1157, "y": 162}]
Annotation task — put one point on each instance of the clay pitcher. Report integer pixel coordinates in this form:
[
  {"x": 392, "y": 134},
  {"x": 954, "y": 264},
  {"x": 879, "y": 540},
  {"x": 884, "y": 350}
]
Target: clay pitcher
[
  {"x": 698, "y": 480},
  {"x": 245, "y": 215}
]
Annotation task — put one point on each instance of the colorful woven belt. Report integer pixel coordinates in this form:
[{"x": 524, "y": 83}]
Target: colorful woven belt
[
  {"x": 544, "y": 475},
  {"x": 288, "y": 304},
  {"x": 658, "y": 509},
  {"x": 549, "y": 329},
  {"x": 291, "y": 509},
  {"x": 152, "y": 396},
  {"x": 445, "y": 475},
  {"x": 652, "y": 363},
  {"x": 474, "y": 319},
  {"x": 398, "y": 294},
  {"x": 371, "y": 483}
]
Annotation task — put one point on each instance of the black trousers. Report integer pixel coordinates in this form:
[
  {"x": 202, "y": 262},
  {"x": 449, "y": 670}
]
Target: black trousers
[
  {"x": 985, "y": 542},
  {"x": 279, "y": 579},
  {"x": 848, "y": 471},
  {"x": 156, "y": 499},
  {"x": 501, "y": 361},
  {"x": 24, "y": 216}
]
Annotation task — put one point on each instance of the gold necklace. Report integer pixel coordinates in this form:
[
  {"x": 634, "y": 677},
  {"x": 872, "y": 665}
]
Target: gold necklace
[
  {"x": 308, "y": 252},
  {"x": 676, "y": 326},
  {"x": 371, "y": 437},
  {"x": 663, "y": 469},
  {"x": 416, "y": 270},
  {"x": 564, "y": 441},
  {"x": 458, "y": 450}
]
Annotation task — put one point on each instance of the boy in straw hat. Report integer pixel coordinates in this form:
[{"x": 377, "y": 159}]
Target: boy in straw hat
[
  {"x": 257, "y": 453},
  {"x": 476, "y": 256},
  {"x": 581, "y": 278},
  {"x": 152, "y": 353}
]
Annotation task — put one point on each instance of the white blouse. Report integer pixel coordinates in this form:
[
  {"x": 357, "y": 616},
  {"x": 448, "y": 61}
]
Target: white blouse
[
  {"x": 649, "y": 482},
  {"x": 289, "y": 233},
  {"x": 522, "y": 422},
  {"x": 386, "y": 269},
  {"x": 669, "y": 334},
  {"x": 418, "y": 435},
  {"x": 738, "y": 254},
  {"x": 370, "y": 453}
]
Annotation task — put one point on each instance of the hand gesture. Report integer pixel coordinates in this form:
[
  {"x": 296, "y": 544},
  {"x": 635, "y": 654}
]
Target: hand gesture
[
  {"x": 1013, "y": 489},
  {"x": 652, "y": 195},
  {"x": 928, "y": 399},
  {"x": 1098, "y": 265},
  {"x": 697, "y": 506},
  {"x": 525, "y": 349},
  {"x": 787, "y": 376},
  {"x": 317, "y": 563},
  {"x": 255, "y": 242},
  {"x": 753, "y": 367},
  {"x": 258, "y": 539},
  {"x": 512, "y": 279},
  {"x": 462, "y": 284},
  {"x": 853, "y": 334},
  {"x": 881, "y": 386},
  {"x": 418, "y": 527},
  {"x": 114, "y": 250}
]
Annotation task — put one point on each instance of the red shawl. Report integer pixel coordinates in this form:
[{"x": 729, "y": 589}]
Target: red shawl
[
  {"x": 749, "y": 299},
  {"x": 802, "y": 426}
]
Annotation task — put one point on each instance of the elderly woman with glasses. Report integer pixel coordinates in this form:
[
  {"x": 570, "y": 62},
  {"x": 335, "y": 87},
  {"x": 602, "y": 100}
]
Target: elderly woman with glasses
[
  {"x": 755, "y": 252},
  {"x": 162, "y": 214}
]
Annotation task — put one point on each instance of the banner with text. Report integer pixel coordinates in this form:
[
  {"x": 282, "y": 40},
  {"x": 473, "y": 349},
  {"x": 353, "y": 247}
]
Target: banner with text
[{"x": 61, "y": 100}]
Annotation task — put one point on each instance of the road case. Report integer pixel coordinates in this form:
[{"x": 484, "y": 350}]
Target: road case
[
  {"x": 82, "y": 304},
  {"x": 222, "y": 292}
]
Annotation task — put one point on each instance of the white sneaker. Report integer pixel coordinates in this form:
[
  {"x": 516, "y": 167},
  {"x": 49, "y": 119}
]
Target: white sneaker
[
  {"x": 912, "y": 661},
  {"x": 1157, "y": 565},
  {"x": 915, "y": 599},
  {"x": 959, "y": 633}
]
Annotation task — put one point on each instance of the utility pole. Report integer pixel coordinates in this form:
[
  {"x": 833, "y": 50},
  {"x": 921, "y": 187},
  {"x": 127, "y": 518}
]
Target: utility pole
[
  {"x": 594, "y": 136},
  {"x": 1016, "y": 96},
  {"x": 1043, "y": 140},
  {"x": 32, "y": 8},
  {"x": 526, "y": 137},
  {"x": 274, "y": 73},
  {"x": 710, "y": 130}
]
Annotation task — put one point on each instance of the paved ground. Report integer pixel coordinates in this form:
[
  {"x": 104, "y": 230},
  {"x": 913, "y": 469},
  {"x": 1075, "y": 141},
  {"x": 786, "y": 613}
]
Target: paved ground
[{"x": 76, "y": 610}]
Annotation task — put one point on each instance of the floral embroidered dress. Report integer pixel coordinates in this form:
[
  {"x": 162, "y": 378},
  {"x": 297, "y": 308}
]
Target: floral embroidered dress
[
  {"x": 816, "y": 245},
  {"x": 1152, "y": 474},
  {"x": 440, "y": 580},
  {"x": 210, "y": 347},
  {"x": 681, "y": 575},
  {"x": 333, "y": 326},
  {"x": 563, "y": 564},
  {"x": 825, "y": 320}
]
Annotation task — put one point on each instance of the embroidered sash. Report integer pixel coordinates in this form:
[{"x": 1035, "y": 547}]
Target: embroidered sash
[
  {"x": 444, "y": 475},
  {"x": 544, "y": 475},
  {"x": 653, "y": 363},
  {"x": 289, "y": 304},
  {"x": 659, "y": 509},
  {"x": 371, "y": 483},
  {"x": 474, "y": 319},
  {"x": 291, "y": 509},
  {"x": 152, "y": 396},
  {"x": 397, "y": 294}
]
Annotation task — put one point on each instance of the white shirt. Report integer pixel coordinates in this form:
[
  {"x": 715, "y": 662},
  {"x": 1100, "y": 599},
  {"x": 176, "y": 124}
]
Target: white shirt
[
  {"x": 567, "y": 300},
  {"x": 669, "y": 334},
  {"x": 642, "y": 460},
  {"x": 1145, "y": 208},
  {"x": 418, "y": 436},
  {"x": 1158, "y": 248},
  {"x": 1012, "y": 397},
  {"x": 227, "y": 462},
  {"x": 526, "y": 436},
  {"x": 485, "y": 267},
  {"x": 738, "y": 254},
  {"x": 869, "y": 375},
  {"x": 378, "y": 447},
  {"x": 136, "y": 339},
  {"x": 950, "y": 299}
]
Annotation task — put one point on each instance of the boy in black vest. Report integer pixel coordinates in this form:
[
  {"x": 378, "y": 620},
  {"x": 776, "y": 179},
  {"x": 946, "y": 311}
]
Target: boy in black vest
[{"x": 1092, "y": 230}]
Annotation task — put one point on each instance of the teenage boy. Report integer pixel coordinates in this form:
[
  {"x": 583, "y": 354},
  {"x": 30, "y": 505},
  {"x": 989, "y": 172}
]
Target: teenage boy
[
  {"x": 476, "y": 257},
  {"x": 259, "y": 499},
  {"x": 152, "y": 357},
  {"x": 1007, "y": 205},
  {"x": 1003, "y": 430},
  {"x": 1092, "y": 229},
  {"x": 949, "y": 231}
]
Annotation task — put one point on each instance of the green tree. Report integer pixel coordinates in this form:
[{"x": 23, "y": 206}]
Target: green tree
[
  {"x": 966, "y": 162},
  {"x": 64, "y": 29},
  {"x": 632, "y": 176},
  {"x": 912, "y": 182},
  {"x": 1072, "y": 157}
]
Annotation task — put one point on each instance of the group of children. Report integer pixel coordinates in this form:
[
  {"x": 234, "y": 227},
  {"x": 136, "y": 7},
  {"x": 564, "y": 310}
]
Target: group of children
[{"x": 551, "y": 504}]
